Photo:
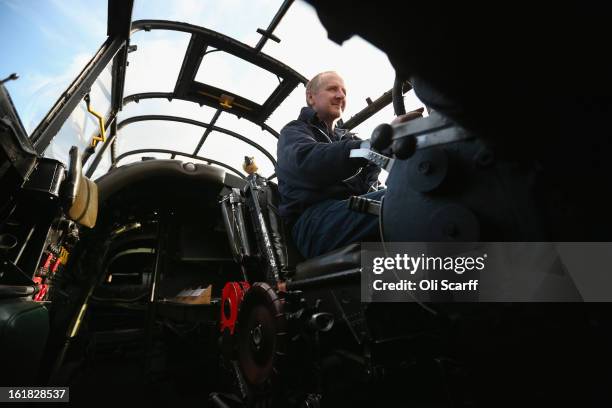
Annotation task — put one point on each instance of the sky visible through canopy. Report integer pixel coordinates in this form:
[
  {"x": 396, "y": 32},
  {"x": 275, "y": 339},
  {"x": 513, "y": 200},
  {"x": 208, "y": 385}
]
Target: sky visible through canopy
[{"x": 48, "y": 42}]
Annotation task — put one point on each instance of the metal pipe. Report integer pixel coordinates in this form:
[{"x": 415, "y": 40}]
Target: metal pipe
[
  {"x": 369, "y": 111},
  {"x": 216, "y": 401},
  {"x": 158, "y": 269},
  {"x": 193, "y": 156},
  {"x": 275, "y": 20},
  {"x": 209, "y": 129}
]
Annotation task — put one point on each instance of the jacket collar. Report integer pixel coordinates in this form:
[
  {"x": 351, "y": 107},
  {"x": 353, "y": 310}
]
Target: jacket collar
[{"x": 308, "y": 115}]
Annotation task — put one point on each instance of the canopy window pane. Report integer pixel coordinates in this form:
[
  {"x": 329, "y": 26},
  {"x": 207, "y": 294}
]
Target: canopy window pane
[
  {"x": 155, "y": 65},
  {"x": 158, "y": 135},
  {"x": 103, "y": 166},
  {"x": 249, "y": 130},
  {"x": 239, "y": 20},
  {"x": 176, "y": 107},
  {"x": 232, "y": 151},
  {"x": 81, "y": 126},
  {"x": 232, "y": 74},
  {"x": 289, "y": 109}
]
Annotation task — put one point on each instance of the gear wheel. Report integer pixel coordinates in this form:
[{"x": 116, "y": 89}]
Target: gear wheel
[{"x": 262, "y": 337}]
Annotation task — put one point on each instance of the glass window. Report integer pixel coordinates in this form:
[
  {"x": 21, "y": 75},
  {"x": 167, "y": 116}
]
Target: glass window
[
  {"x": 155, "y": 65},
  {"x": 231, "y": 151},
  {"x": 249, "y": 130},
  {"x": 47, "y": 43},
  {"x": 158, "y": 135},
  {"x": 237, "y": 19},
  {"x": 103, "y": 166},
  {"x": 177, "y": 107},
  {"x": 237, "y": 76},
  {"x": 289, "y": 109},
  {"x": 81, "y": 125}
]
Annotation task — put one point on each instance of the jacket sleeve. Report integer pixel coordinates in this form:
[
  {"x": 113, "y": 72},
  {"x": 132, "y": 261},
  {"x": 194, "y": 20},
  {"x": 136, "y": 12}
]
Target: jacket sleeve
[{"x": 300, "y": 155}]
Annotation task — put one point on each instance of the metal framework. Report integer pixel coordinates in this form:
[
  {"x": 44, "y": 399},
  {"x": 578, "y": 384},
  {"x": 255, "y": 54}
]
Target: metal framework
[
  {"x": 207, "y": 126},
  {"x": 189, "y": 89},
  {"x": 202, "y": 41},
  {"x": 170, "y": 96}
]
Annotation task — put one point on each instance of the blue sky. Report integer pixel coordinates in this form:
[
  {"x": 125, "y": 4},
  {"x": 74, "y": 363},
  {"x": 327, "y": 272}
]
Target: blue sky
[
  {"x": 46, "y": 42},
  {"x": 42, "y": 42}
]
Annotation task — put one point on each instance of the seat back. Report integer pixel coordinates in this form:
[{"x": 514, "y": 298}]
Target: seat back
[{"x": 280, "y": 233}]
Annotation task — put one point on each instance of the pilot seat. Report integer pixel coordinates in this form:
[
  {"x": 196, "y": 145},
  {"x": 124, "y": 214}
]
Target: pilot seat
[{"x": 257, "y": 231}]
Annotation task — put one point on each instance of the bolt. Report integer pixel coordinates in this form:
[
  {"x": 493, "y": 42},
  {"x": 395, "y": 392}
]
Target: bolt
[
  {"x": 425, "y": 167},
  {"x": 256, "y": 336}
]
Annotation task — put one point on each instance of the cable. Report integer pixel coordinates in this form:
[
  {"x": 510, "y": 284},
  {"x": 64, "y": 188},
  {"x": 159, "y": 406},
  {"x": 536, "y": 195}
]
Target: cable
[
  {"x": 380, "y": 225},
  {"x": 120, "y": 300}
]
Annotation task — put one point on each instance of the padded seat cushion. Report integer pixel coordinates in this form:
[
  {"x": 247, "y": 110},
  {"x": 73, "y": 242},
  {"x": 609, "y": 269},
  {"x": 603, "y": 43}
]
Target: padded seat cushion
[
  {"x": 24, "y": 327},
  {"x": 341, "y": 259}
]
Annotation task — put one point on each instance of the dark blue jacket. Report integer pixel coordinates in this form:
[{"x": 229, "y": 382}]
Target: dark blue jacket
[{"x": 314, "y": 165}]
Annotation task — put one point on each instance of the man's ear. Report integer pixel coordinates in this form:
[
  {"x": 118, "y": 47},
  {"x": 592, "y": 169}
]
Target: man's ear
[{"x": 309, "y": 98}]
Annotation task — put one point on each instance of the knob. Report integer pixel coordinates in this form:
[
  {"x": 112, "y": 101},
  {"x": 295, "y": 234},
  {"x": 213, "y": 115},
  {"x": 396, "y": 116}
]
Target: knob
[
  {"x": 404, "y": 147},
  {"x": 382, "y": 136}
]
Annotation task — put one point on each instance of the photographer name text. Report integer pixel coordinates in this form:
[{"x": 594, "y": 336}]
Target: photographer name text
[{"x": 425, "y": 285}]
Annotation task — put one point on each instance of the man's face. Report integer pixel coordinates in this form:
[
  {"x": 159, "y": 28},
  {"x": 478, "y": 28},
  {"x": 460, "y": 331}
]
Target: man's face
[{"x": 329, "y": 100}]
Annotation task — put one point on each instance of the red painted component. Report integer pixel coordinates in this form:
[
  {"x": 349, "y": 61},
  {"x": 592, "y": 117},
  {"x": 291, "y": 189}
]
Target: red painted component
[
  {"x": 48, "y": 260},
  {"x": 56, "y": 264},
  {"x": 37, "y": 280},
  {"x": 41, "y": 294},
  {"x": 231, "y": 297}
]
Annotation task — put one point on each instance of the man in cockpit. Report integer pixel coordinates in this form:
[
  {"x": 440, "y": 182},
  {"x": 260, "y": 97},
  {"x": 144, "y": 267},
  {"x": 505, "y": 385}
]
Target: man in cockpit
[{"x": 316, "y": 176}]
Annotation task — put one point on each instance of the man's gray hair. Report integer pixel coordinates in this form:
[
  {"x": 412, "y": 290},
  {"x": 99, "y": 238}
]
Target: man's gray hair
[{"x": 314, "y": 84}]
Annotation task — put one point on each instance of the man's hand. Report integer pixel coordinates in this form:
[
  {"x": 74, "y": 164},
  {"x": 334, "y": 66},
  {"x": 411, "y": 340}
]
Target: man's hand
[{"x": 415, "y": 114}]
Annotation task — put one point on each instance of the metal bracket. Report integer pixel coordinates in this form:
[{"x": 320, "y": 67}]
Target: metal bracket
[{"x": 384, "y": 162}]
